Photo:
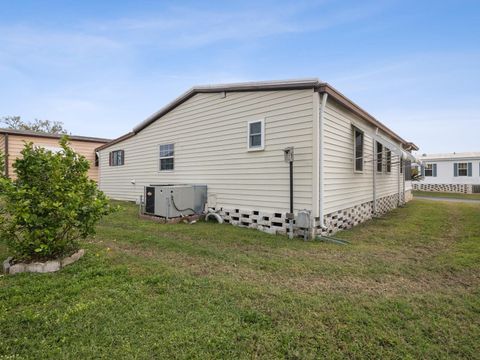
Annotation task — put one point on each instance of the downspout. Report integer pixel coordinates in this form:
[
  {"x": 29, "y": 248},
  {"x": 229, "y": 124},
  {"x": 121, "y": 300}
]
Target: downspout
[
  {"x": 320, "y": 159},
  {"x": 375, "y": 164},
  {"x": 398, "y": 179},
  {"x": 404, "y": 183}
]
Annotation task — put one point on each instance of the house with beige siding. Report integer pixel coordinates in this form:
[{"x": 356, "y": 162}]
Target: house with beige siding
[
  {"x": 13, "y": 141},
  {"x": 347, "y": 167}
]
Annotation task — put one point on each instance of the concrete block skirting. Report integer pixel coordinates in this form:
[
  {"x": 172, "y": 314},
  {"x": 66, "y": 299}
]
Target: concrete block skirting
[
  {"x": 451, "y": 188},
  {"x": 272, "y": 223},
  {"x": 40, "y": 267},
  {"x": 277, "y": 223}
]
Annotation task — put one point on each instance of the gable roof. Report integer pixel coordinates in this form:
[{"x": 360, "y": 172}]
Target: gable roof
[
  {"x": 52, "y": 136},
  {"x": 296, "y": 84}
]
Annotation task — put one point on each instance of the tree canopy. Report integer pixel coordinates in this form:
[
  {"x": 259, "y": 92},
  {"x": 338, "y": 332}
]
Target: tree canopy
[{"x": 43, "y": 126}]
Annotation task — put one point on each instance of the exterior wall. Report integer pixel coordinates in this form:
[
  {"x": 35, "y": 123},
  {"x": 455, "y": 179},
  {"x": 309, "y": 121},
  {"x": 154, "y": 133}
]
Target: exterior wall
[
  {"x": 2, "y": 149},
  {"x": 452, "y": 188},
  {"x": 445, "y": 174},
  {"x": 210, "y": 136},
  {"x": 343, "y": 186},
  {"x": 85, "y": 148}
]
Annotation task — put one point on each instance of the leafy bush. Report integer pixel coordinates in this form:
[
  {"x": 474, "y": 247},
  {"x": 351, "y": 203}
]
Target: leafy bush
[{"x": 51, "y": 204}]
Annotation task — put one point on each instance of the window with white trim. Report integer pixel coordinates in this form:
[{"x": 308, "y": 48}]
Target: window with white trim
[
  {"x": 379, "y": 157},
  {"x": 463, "y": 169},
  {"x": 428, "y": 170},
  {"x": 256, "y": 135},
  {"x": 358, "y": 149},
  {"x": 167, "y": 157}
]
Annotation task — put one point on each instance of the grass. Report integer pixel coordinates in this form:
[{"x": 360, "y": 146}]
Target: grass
[
  {"x": 447, "y": 195},
  {"x": 408, "y": 286}
]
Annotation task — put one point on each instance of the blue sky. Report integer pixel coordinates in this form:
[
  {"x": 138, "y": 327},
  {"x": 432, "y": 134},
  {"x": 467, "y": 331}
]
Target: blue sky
[{"x": 102, "y": 67}]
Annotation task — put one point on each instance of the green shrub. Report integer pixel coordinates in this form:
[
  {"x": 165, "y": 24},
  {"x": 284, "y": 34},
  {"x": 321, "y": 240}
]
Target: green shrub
[{"x": 51, "y": 204}]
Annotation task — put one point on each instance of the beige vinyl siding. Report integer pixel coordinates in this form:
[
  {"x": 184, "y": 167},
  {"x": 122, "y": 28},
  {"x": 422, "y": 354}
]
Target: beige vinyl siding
[
  {"x": 2, "y": 150},
  {"x": 210, "y": 136},
  {"x": 343, "y": 186},
  {"x": 85, "y": 148}
]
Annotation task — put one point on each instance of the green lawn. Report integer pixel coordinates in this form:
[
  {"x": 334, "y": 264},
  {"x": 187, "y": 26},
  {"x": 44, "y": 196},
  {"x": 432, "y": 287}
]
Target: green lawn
[
  {"x": 447, "y": 195},
  {"x": 408, "y": 286}
]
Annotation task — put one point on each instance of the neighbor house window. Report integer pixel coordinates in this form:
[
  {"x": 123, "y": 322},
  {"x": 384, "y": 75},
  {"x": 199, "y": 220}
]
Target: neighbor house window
[
  {"x": 429, "y": 170},
  {"x": 388, "y": 155},
  {"x": 462, "y": 169},
  {"x": 117, "y": 158},
  {"x": 256, "y": 135},
  {"x": 166, "y": 157},
  {"x": 379, "y": 157},
  {"x": 358, "y": 149}
]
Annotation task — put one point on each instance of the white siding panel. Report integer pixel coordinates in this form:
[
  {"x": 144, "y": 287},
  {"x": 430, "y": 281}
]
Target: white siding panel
[
  {"x": 210, "y": 137},
  {"x": 343, "y": 187}
]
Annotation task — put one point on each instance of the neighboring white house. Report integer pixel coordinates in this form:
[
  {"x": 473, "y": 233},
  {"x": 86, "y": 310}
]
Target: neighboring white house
[
  {"x": 347, "y": 165},
  {"x": 454, "y": 172}
]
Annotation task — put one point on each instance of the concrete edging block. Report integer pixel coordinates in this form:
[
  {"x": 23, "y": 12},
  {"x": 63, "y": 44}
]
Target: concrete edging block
[{"x": 40, "y": 267}]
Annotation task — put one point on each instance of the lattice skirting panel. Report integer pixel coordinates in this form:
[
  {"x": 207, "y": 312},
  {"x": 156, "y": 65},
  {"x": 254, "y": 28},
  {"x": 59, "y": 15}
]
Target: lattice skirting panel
[
  {"x": 349, "y": 217},
  {"x": 276, "y": 223},
  {"x": 452, "y": 188}
]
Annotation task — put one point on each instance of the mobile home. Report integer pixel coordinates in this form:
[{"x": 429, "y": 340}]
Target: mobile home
[
  {"x": 347, "y": 165},
  {"x": 450, "y": 172}
]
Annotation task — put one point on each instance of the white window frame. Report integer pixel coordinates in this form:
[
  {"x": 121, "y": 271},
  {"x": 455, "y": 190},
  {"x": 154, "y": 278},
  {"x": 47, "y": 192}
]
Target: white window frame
[
  {"x": 428, "y": 167},
  {"x": 466, "y": 168},
  {"x": 160, "y": 158},
  {"x": 355, "y": 129},
  {"x": 262, "y": 137}
]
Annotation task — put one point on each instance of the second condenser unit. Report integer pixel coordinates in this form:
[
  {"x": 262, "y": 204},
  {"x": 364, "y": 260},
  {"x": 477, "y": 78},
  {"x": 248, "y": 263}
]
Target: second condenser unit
[{"x": 171, "y": 201}]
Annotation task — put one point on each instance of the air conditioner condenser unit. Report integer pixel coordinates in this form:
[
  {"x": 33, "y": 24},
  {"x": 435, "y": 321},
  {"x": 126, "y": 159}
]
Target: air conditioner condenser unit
[{"x": 170, "y": 201}]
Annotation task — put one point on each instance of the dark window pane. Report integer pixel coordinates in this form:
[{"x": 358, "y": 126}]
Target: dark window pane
[
  {"x": 359, "y": 164},
  {"x": 379, "y": 157},
  {"x": 358, "y": 150},
  {"x": 117, "y": 158},
  {"x": 255, "y": 140},
  {"x": 255, "y": 128},
  {"x": 408, "y": 170},
  {"x": 429, "y": 170},
  {"x": 166, "y": 164},
  {"x": 389, "y": 160}
]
